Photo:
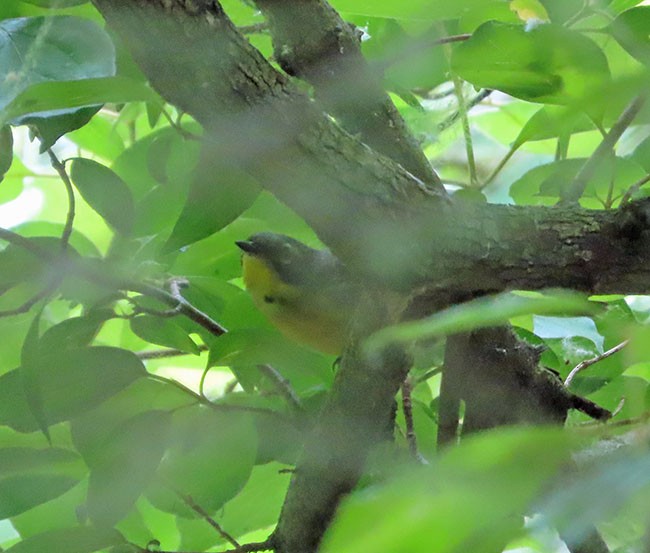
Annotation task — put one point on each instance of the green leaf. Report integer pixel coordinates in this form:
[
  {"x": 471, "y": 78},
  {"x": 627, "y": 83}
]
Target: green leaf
[
  {"x": 632, "y": 31},
  {"x": 75, "y": 332},
  {"x": 105, "y": 192},
  {"x": 553, "y": 122},
  {"x": 22, "y": 492},
  {"x": 471, "y": 499},
  {"x": 71, "y": 382},
  {"x": 127, "y": 464},
  {"x": 59, "y": 48},
  {"x": 55, "y": 3},
  {"x": 30, "y": 477},
  {"x": 480, "y": 313},
  {"x": 85, "y": 539},
  {"x": 218, "y": 195},
  {"x": 244, "y": 348},
  {"x": 51, "y": 98},
  {"x": 256, "y": 507},
  {"x": 548, "y": 63},
  {"x": 547, "y": 181},
  {"x": 408, "y": 9},
  {"x": 6, "y": 150},
  {"x": 164, "y": 332},
  {"x": 211, "y": 455},
  {"x": 19, "y": 265},
  {"x": 91, "y": 430},
  {"x": 30, "y": 375}
]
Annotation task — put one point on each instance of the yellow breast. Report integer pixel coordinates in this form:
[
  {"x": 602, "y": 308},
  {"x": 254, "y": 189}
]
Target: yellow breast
[{"x": 305, "y": 316}]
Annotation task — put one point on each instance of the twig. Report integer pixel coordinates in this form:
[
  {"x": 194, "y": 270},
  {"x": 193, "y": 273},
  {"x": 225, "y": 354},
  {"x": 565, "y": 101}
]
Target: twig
[
  {"x": 266, "y": 545},
  {"x": 282, "y": 385},
  {"x": 163, "y": 353},
  {"x": 634, "y": 189},
  {"x": 223, "y": 407},
  {"x": 69, "y": 221},
  {"x": 644, "y": 417},
  {"x": 25, "y": 243},
  {"x": 588, "y": 362},
  {"x": 407, "y": 409},
  {"x": 467, "y": 133},
  {"x": 590, "y": 408},
  {"x": 421, "y": 44},
  {"x": 449, "y": 121},
  {"x": 573, "y": 192},
  {"x": 429, "y": 374},
  {"x": 256, "y": 28},
  {"x": 31, "y": 302},
  {"x": 184, "y": 307},
  {"x": 189, "y": 501},
  {"x": 500, "y": 165}
]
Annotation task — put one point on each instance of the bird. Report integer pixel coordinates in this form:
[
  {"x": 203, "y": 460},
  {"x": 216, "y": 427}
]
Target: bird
[{"x": 305, "y": 292}]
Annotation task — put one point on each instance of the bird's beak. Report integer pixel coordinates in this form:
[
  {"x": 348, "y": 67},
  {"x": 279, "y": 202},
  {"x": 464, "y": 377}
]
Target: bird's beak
[{"x": 246, "y": 245}]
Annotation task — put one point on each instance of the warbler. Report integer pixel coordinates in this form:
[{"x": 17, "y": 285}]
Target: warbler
[{"x": 306, "y": 293}]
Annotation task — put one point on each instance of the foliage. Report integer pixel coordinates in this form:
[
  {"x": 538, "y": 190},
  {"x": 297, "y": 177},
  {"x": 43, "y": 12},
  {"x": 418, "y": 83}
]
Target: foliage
[{"x": 109, "y": 438}]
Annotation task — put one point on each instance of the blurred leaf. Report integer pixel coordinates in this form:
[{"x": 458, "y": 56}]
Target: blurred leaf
[
  {"x": 164, "y": 332},
  {"x": 105, "y": 192},
  {"x": 480, "y": 313},
  {"x": 93, "y": 374},
  {"x": 578, "y": 502},
  {"x": 210, "y": 456},
  {"x": 84, "y": 539},
  {"x": 473, "y": 498},
  {"x": 127, "y": 463},
  {"x": 548, "y": 63}
]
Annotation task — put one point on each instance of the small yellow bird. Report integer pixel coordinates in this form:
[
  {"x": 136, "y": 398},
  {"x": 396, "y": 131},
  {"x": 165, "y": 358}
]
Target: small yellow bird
[{"x": 306, "y": 293}]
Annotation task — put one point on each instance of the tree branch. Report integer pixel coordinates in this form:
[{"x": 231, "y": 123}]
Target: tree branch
[{"x": 312, "y": 42}]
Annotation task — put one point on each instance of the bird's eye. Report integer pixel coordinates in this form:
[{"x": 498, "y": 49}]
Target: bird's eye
[{"x": 269, "y": 299}]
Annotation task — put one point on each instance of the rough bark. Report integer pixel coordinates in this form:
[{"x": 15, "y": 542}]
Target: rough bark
[{"x": 312, "y": 42}]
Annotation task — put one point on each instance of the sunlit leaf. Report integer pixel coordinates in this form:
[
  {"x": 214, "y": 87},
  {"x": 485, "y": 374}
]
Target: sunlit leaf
[
  {"x": 105, "y": 192},
  {"x": 164, "y": 332},
  {"x": 548, "y": 63}
]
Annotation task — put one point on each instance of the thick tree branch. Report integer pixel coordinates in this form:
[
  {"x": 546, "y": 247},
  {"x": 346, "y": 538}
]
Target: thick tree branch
[
  {"x": 312, "y": 42},
  {"x": 375, "y": 216}
]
